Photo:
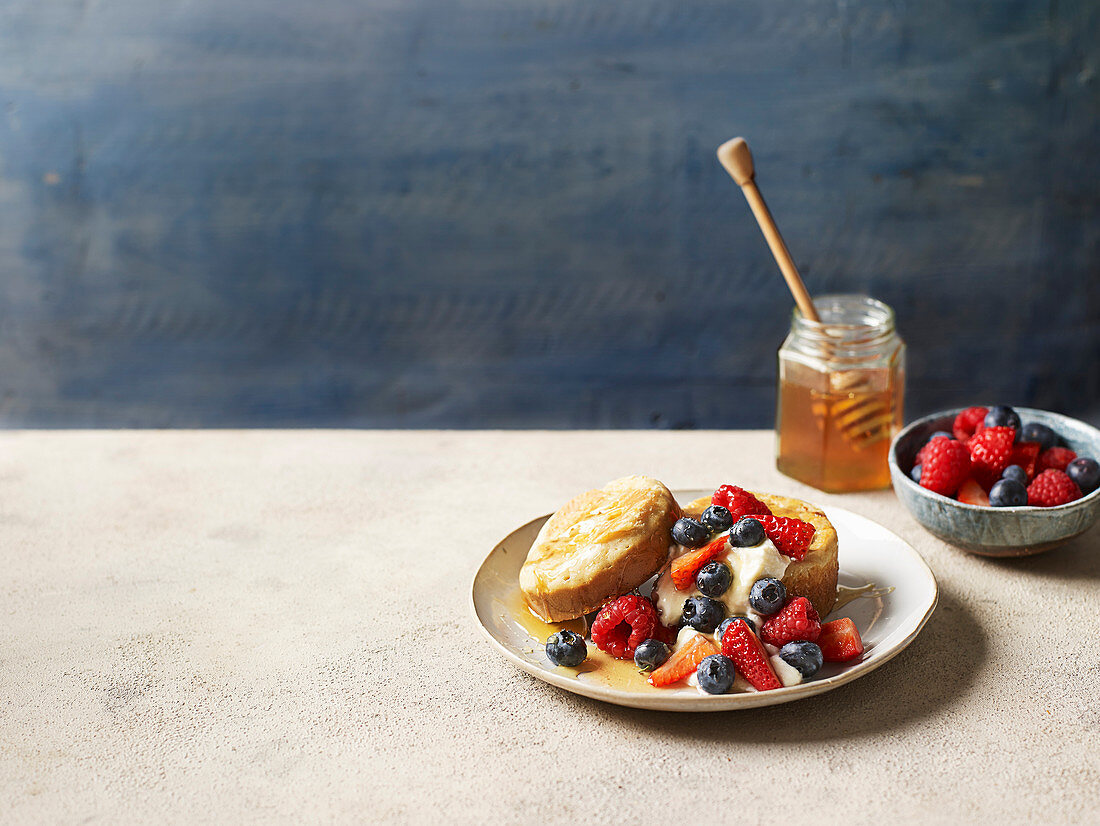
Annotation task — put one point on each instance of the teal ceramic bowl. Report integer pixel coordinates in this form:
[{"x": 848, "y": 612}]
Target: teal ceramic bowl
[{"x": 995, "y": 531}]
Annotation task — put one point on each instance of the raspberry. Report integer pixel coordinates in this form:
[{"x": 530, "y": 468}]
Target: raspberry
[
  {"x": 797, "y": 621},
  {"x": 739, "y": 502},
  {"x": 684, "y": 568},
  {"x": 749, "y": 657},
  {"x": 840, "y": 641},
  {"x": 791, "y": 537},
  {"x": 922, "y": 454},
  {"x": 1057, "y": 458},
  {"x": 622, "y": 624},
  {"x": 990, "y": 452},
  {"x": 683, "y": 662},
  {"x": 946, "y": 466},
  {"x": 969, "y": 422},
  {"x": 1052, "y": 487}
]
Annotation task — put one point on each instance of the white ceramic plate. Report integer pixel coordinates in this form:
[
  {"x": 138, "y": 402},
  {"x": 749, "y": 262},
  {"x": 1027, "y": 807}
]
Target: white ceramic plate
[{"x": 904, "y": 597}]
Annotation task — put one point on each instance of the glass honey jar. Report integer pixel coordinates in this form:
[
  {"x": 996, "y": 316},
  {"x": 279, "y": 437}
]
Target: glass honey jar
[{"x": 841, "y": 393}]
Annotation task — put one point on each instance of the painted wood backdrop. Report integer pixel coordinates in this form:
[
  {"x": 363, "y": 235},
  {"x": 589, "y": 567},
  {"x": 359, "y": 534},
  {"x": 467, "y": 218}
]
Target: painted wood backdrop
[{"x": 508, "y": 212}]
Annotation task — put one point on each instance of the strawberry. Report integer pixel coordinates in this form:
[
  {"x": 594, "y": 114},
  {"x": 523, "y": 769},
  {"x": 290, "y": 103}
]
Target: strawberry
[
  {"x": 1057, "y": 458},
  {"x": 791, "y": 537},
  {"x": 971, "y": 493},
  {"x": 946, "y": 466},
  {"x": 839, "y": 641},
  {"x": 684, "y": 568},
  {"x": 683, "y": 663},
  {"x": 969, "y": 422},
  {"x": 1026, "y": 454},
  {"x": 739, "y": 502},
  {"x": 796, "y": 621},
  {"x": 990, "y": 451},
  {"x": 749, "y": 656},
  {"x": 1052, "y": 487}
]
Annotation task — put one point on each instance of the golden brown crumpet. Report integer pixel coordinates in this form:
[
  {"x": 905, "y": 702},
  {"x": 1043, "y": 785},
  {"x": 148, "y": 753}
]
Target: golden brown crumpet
[
  {"x": 600, "y": 545},
  {"x": 815, "y": 575}
]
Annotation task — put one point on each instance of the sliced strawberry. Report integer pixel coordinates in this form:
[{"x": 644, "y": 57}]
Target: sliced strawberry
[
  {"x": 683, "y": 663},
  {"x": 749, "y": 656},
  {"x": 684, "y": 568},
  {"x": 971, "y": 493},
  {"x": 839, "y": 641},
  {"x": 1026, "y": 455},
  {"x": 791, "y": 537}
]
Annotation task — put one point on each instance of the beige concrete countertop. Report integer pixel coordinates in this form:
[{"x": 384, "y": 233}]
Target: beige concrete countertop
[{"x": 273, "y": 626}]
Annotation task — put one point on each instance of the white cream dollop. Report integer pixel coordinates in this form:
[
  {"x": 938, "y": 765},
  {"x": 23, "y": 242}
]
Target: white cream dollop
[
  {"x": 787, "y": 673},
  {"x": 747, "y": 566}
]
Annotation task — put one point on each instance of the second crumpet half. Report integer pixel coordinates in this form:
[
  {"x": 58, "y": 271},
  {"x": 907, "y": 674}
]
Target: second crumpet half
[{"x": 600, "y": 544}]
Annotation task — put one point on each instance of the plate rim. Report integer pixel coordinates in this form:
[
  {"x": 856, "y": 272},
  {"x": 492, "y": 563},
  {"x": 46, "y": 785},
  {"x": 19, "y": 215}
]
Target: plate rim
[{"x": 718, "y": 702}]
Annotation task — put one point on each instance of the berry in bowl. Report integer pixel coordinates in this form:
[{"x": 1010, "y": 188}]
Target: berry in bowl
[{"x": 999, "y": 481}]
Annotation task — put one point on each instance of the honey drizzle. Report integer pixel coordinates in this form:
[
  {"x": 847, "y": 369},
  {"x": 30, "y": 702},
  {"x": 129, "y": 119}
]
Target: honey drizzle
[
  {"x": 599, "y": 667},
  {"x": 845, "y": 594}
]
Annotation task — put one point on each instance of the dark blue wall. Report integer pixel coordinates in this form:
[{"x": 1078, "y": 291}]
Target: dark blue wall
[{"x": 508, "y": 212}]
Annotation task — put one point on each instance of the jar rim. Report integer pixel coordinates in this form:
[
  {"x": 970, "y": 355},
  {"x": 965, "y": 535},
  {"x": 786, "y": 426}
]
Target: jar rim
[{"x": 859, "y": 318}]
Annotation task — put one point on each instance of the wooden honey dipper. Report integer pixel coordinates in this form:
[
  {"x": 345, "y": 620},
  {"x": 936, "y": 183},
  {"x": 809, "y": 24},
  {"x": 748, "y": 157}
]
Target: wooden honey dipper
[{"x": 863, "y": 418}]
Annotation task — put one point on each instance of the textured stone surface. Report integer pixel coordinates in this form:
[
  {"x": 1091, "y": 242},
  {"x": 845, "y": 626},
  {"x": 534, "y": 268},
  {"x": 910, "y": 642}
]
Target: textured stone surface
[{"x": 274, "y": 626}]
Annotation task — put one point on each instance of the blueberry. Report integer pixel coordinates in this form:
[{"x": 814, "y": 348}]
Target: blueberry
[
  {"x": 566, "y": 648},
  {"x": 914, "y": 474},
  {"x": 715, "y": 674},
  {"x": 805, "y": 656},
  {"x": 726, "y": 623},
  {"x": 717, "y": 518},
  {"x": 703, "y": 613},
  {"x": 767, "y": 595},
  {"x": 650, "y": 654},
  {"x": 747, "y": 533},
  {"x": 689, "y": 533},
  {"x": 943, "y": 433},
  {"x": 1002, "y": 416},
  {"x": 1040, "y": 433},
  {"x": 1007, "y": 493},
  {"x": 1085, "y": 472},
  {"x": 714, "y": 579},
  {"x": 1015, "y": 473}
]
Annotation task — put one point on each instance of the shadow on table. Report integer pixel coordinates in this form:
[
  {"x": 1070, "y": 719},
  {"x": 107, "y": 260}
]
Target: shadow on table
[
  {"x": 1077, "y": 559},
  {"x": 934, "y": 673}
]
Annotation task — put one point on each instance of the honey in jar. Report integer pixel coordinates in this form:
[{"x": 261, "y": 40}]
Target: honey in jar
[{"x": 841, "y": 392}]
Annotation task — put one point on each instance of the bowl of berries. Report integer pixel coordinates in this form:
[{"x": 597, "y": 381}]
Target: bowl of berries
[{"x": 999, "y": 481}]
